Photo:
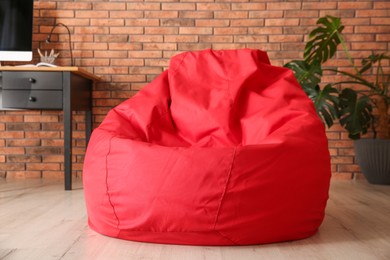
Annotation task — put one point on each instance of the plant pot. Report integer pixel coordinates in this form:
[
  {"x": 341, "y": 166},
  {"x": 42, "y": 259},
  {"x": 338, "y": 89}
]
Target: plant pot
[{"x": 373, "y": 157}]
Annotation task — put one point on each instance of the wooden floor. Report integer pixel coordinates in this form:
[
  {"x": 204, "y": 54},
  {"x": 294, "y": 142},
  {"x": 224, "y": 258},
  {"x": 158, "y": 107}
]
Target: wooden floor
[{"x": 39, "y": 220}]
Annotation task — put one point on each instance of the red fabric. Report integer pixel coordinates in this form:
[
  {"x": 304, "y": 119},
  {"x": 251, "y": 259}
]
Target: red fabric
[{"x": 220, "y": 149}]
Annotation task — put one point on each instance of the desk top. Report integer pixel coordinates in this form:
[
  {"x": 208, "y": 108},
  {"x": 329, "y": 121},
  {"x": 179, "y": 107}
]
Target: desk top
[{"x": 76, "y": 70}]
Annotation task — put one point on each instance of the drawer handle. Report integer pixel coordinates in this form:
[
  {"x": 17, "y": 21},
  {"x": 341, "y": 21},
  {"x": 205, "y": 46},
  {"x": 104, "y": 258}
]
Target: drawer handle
[
  {"x": 32, "y": 80},
  {"x": 32, "y": 99}
]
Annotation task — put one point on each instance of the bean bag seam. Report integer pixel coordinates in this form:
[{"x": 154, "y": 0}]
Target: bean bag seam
[
  {"x": 107, "y": 188},
  {"x": 226, "y": 237},
  {"x": 222, "y": 198},
  {"x": 181, "y": 62},
  {"x": 224, "y": 189}
]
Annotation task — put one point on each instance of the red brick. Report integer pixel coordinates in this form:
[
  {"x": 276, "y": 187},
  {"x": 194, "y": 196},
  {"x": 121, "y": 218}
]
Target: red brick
[
  {"x": 281, "y": 22},
  {"x": 196, "y": 14},
  {"x": 231, "y": 14},
  {"x": 301, "y": 13},
  {"x": 95, "y": 14},
  {"x": 265, "y": 30},
  {"x": 12, "y": 134},
  {"x": 265, "y": 14},
  {"x": 24, "y": 158},
  {"x": 161, "y": 30},
  {"x": 161, "y": 14},
  {"x": 231, "y": 31},
  {"x": 181, "y": 38},
  {"x": 248, "y": 6},
  {"x": 42, "y": 134},
  {"x": 41, "y": 118},
  {"x": 54, "y": 142},
  {"x": 125, "y": 46},
  {"x": 382, "y": 38},
  {"x": 91, "y": 30},
  {"x": 355, "y": 5},
  {"x": 247, "y": 23},
  {"x": 381, "y": 21},
  {"x": 228, "y": 46},
  {"x": 381, "y": 5},
  {"x": 145, "y": 54},
  {"x": 72, "y": 22},
  {"x": 319, "y": 5},
  {"x": 126, "y": 14},
  {"x": 107, "y": 22},
  {"x": 369, "y": 46},
  {"x": 283, "y": 6},
  {"x": 57, "y": 13},
  {"x": 73, "y": 6},
  {"x": 178, "y": 6},
  {"x": 11, "y": 118},
  {"x": 109, "y": 6},
  {"x": 285, "y": 38},
  {"x": 142, "y": 22},
  {"x": 177, "y": 22},
  {"x": 347, "y": 13},
  {"x": 143, "y": 6},
  {"x": 125, "y": 62},
  {"x": 11, "y": 150},
  {"x": 45, "y": 5},
  {"x": 216, "y": 39},
  {"x": 250, "y": 38},
  {"x": 212, "y": 23},
  {"x": 372, "y": 13},
  {"x": 40, "y": 166},
  {"x": 213, "y": 6},
  {"x": 193, "y": 46},
  {"x": 23, "y": 142},
  {"x": 12, "y": 166},
  {"x": 146, "y": 38}
]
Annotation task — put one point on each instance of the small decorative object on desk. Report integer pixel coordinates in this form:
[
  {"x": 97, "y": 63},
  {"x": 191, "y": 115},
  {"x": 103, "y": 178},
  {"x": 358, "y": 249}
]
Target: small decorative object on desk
[{"x": 48, "y": 58}]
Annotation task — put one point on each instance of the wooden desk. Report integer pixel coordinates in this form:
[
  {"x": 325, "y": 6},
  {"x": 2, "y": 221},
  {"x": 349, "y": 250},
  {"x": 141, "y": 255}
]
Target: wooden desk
[{"x": 63, "y": 88}]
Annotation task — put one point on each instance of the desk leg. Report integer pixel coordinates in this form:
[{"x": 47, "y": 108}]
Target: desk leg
[
  {"x": 68, "y": 149},
  {"x": 88, "y": 126},
  {"x": 67, "y": 108}
]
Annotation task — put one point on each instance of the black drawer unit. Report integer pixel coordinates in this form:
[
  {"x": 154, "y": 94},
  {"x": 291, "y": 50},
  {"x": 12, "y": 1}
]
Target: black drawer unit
[
  {"x": 32, "y": 80},
  {"x": 32, "y": 99},
  {"x": 61, "y": 88},
  {"x": 32, "y": 90}
]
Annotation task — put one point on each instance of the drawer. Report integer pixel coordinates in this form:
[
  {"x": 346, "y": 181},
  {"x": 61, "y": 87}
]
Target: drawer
[
  {"x": 31, "y": 80},
  {"x": 34, "y": 99}
]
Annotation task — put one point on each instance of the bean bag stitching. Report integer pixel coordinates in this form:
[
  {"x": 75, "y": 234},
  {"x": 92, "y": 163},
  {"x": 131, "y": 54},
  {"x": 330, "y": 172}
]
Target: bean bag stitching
[
  {"x": 107, "y": 191},
  {"x": 227, "y": 238},
  {"x": 228, "y": 89},
  {"x": 223, "y": 195},
  {"x": 181, "y": 62}
]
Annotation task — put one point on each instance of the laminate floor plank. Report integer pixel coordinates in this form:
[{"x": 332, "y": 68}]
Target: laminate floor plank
[{"x": 39, "y": 220}]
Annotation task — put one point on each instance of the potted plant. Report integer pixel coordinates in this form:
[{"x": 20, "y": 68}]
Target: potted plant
[{"x": 358, "y": 109}]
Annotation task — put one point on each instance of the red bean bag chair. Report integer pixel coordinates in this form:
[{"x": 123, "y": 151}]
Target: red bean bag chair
[{"x": 220, "y": 149}]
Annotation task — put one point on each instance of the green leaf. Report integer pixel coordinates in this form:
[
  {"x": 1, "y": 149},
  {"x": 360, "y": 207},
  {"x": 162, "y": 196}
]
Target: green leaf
[
  {"x": 324, "y": 40},
  {"x": 326, "y": 103},
  {"x": 308, "y": 75},
  {"x": 355, "y": 113}
]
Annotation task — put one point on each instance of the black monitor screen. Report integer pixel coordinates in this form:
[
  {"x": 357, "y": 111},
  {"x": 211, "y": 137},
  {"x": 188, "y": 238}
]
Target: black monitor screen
[{"x": 16, "y": 17}]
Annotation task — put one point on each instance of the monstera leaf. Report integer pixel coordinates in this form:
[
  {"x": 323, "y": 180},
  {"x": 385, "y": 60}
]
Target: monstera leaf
[
  {"x": 308, "y": 75},
  {"x": 356, "y": 113},
  {"x": 325, "y": 100},
  {"x": 326, "y": 103},
  {"x": 324, "y": 40}
]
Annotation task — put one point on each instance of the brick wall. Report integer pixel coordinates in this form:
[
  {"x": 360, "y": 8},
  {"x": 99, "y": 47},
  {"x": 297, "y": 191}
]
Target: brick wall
[{"x": 128, "y": 43}]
